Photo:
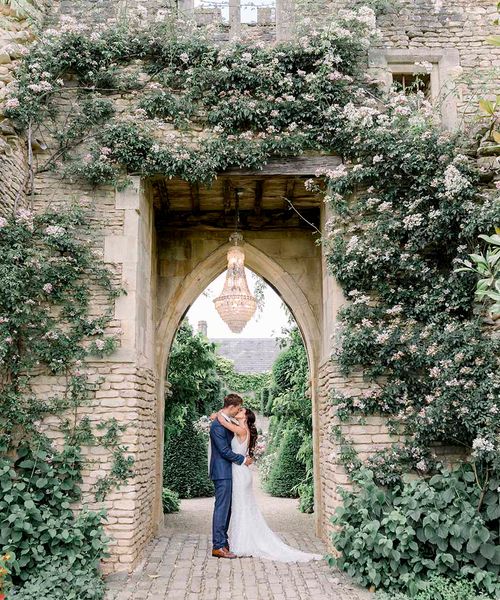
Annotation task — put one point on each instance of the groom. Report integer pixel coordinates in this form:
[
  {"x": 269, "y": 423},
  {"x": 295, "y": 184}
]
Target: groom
[{"x": 221, "y": 474}]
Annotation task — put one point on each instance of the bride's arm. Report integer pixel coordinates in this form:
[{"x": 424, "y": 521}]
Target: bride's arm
[{"x": 238, "y": 429}]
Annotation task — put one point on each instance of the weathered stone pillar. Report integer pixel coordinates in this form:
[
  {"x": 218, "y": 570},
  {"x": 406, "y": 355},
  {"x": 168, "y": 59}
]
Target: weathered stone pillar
[
  {"x": 185, "y": 7},
  {"x": 130, "y": 376},
  {"x": 285, "y": 20},
  {"x": 234, "y": 19}
]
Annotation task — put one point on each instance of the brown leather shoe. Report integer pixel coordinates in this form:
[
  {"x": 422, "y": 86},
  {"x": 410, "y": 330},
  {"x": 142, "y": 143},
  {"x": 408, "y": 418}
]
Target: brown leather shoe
[{"x": 223, "y": 553}]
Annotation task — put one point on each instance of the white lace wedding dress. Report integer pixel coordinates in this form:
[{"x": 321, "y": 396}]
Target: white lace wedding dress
[{"x": 249, "y": 534}]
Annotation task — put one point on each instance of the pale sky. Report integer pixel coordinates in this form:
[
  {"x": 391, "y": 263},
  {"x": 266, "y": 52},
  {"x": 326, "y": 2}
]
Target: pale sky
[
  {"x": 266, "y": 324},
  {"x": 248, "y": 8}
]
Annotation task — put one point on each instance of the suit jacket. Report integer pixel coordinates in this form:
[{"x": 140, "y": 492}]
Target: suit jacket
[{"x": 221, "y": 454}]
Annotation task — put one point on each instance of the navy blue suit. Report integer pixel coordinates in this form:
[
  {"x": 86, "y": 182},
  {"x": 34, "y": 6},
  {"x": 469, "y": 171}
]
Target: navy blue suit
[{"x": 221, "y": 473}]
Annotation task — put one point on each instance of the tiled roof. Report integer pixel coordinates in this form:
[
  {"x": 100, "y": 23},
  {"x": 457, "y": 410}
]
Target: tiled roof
[{"x": 250, "y": 355}]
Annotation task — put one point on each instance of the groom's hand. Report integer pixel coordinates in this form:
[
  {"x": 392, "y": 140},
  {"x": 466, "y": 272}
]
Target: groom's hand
[{"x": 248, "y": 461}]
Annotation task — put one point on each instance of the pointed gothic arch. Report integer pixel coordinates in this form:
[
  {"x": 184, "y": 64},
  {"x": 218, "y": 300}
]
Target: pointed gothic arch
[{"x": 179, "y": 302}]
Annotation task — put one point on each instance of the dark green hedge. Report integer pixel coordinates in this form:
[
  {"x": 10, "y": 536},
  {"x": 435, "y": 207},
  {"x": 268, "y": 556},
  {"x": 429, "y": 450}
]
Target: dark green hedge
[
  {"x": 185, "y": 466},
  {"x": 287, "y": 473}
]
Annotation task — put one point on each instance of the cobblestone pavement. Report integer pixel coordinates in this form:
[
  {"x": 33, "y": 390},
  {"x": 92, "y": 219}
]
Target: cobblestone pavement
[{"x": 178, "y": 564}]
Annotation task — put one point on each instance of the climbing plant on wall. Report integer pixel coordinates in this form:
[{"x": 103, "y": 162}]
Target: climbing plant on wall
[
  {"x": 406, "y": 202},
  {"x": 252, "y": 101},
  {"x": 249, "y": 385},
  {"x": 47, "y": 329}
]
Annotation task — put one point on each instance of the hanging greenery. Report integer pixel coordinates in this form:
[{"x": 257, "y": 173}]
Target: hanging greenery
[
  {"x": 47, "y": 328},
  {"x": 253, "y": 102}
]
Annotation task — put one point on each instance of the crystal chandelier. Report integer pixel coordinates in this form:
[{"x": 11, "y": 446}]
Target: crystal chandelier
[{"x": 236, "y": 305}]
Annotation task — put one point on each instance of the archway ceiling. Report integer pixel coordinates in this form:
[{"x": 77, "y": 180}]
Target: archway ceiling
[{"x": 263, "y": 199}]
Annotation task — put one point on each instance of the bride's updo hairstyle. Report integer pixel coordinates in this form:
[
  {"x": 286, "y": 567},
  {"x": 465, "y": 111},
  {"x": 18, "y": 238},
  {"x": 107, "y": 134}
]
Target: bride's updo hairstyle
[{"x": 253, "y": 431}]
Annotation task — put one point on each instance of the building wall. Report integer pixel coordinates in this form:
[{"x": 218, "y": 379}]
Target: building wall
[
  {"x": 157, "y": 273},
  {"x": 16, "y": 33}
]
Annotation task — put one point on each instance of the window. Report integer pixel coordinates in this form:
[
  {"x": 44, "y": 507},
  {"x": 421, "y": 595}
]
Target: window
[
  {"x": 403, "y": 69},
  {"x": 251, "y": 11},
  {"x": 412, "y": 82}
]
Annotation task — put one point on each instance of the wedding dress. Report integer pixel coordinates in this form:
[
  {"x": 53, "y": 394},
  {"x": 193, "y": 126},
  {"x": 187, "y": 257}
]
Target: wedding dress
[{"x": 249, "y": 534}]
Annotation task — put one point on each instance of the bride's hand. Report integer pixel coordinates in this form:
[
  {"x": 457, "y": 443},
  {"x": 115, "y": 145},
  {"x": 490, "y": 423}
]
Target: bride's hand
[{"x": 213, "y": 416}]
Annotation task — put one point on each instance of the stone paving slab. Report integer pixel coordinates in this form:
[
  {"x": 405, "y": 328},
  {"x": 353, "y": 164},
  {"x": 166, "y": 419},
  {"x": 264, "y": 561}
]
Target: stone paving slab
[{"x": 179, "y": 565}]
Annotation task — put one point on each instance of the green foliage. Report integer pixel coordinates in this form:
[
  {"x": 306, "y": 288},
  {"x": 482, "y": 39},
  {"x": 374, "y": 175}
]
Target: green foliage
[
  {"x": 61, "y": 580},
  {"x": 256, "y": 102},
  {"x": 396, "y": 538},
  {"x": 192, "y": 373},
  {"x": 487, "y": 267},
  {"x": 264, "y": 399},
  {"x": 249, "y": 385},
  {"x": 290, "y": 428},
  {"x": 170, "y": 501},
  {"x": 39, "y": 527},
  {"x": 305, "y": 488},
  {"x": 290, "y": 383},
  {"x": 287, "y": 473},
  {"x": 438, "y": 588},
  {"x": 185, "y": 466}
]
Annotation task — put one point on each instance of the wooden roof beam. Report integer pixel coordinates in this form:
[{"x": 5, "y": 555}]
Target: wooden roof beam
[{"x": 298, "y": 165}]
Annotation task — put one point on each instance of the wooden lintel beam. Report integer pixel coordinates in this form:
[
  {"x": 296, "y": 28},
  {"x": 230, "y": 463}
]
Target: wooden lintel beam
[{"x": 298, "y": 165}]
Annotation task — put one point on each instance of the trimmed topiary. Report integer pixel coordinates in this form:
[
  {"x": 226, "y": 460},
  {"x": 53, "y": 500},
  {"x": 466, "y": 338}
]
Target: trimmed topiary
[
  {"x": 287, "y": 473},
  {"x": 170, "y": 501},
  {"x": 264, "y": 399},
  {"x": 277, "y": 428},
  {"x": 185, "y": 465}
]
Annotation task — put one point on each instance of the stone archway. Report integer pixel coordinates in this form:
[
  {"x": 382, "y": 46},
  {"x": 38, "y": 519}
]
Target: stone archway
[
  {"x": 208, "y": 264},
  {"x": 164, "y": 261}
]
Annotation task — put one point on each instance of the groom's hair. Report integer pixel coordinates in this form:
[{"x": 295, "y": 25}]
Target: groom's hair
[{"x": 233, "y": 400}]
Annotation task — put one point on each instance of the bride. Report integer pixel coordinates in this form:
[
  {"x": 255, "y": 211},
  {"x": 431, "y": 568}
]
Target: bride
[{"x": 249, "y": 534}]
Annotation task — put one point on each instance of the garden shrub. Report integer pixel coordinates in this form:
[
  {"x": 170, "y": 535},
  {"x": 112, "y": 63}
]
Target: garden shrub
[
  {"x": 61, "y": 579},
  {"x": 38, "y": 524},
  {"x": 276, "y": 430},
  {"x": 287, "y": 472},
  {"x": 269, "y": 403},
  {"x": 438, "y": 588},
  {"x": 397, "y": 538},
  {"x": 185, "y": 466},
  {"x": 306, "y": 495},
  {"x": 306, "y": 488},
  {"x": 264, "y": 399},
  {"x": 170, "y": 501}
]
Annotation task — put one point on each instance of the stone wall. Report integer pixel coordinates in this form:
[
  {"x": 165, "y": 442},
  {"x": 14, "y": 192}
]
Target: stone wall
[
  {"x": 367, "y": 437},
  {"x": 126, "y": 382},
  {"x": 16, "y": 23},
  {"x": 157, "y": 271}
]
